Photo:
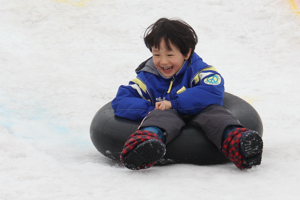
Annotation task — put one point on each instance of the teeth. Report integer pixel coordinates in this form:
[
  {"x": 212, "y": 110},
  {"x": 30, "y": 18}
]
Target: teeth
[{"x": 164, "y": 68}]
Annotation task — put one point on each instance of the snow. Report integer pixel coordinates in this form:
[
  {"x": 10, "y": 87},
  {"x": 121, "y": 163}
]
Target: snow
[{"x": 62, "y": 60}]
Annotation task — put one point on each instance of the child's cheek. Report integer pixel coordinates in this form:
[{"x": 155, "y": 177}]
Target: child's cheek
[{"x": 156, "y": 63}]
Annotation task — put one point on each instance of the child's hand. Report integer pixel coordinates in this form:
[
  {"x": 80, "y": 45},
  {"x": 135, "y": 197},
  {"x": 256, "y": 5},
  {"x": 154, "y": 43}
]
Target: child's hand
[{"x": 163, "y": 105}]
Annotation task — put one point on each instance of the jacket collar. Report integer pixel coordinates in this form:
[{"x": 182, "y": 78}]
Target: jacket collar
[{"x": 148, "y": 66}]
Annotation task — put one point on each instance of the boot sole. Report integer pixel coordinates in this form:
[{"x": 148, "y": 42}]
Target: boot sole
[
  {"x": 146, "y": 153},
  {"x": 251, "y": 149}
]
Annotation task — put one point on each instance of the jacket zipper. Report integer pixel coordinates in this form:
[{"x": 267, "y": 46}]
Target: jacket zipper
[{"x": 171, "y": 84}]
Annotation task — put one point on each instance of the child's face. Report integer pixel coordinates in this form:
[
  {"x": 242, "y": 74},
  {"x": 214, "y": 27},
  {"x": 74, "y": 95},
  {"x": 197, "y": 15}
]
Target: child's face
[{"x": 168, "y": 62}]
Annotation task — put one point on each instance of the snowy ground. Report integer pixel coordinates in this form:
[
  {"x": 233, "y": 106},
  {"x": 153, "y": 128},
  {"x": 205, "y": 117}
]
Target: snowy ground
[{"x": 61, "y": 60}]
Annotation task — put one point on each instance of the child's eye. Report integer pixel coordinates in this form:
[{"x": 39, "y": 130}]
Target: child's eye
[
  {"x": 170, "y": 55},
  {"x": 156, "y": 55}
]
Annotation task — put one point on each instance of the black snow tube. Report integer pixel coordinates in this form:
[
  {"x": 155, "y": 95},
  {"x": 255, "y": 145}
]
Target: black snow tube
[{"x": 109, "y": 133}]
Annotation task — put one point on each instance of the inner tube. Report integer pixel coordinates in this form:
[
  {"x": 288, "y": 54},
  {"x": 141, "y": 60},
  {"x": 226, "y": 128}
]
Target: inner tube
[{"x": 109, "y": 134}]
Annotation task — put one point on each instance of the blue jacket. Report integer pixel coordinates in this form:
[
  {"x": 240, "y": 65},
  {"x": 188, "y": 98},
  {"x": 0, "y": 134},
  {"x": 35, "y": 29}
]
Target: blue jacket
[{"x": 194, "y": 87}]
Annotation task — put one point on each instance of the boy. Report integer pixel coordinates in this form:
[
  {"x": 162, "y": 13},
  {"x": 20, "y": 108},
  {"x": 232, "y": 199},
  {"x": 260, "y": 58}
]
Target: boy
[{"x": 175, "y": 86}]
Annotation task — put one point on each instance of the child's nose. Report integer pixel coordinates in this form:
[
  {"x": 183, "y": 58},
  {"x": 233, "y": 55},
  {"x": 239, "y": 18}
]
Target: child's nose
[{"x": 164, "y": 61}]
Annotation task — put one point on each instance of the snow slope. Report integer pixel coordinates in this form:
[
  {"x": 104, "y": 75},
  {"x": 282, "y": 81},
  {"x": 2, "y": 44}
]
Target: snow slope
[{"x": 62, "y": 60}]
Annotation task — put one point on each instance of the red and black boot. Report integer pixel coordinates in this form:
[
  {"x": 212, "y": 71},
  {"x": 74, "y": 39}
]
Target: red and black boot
[
  {"x": 243, "y": 147},
  {"x": 142, "y": 150}
]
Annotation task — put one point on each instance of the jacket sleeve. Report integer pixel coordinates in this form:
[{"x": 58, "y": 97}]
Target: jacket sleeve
[
  {"x": 132, "y": 101},
  {"x": 207, "y": 89}
]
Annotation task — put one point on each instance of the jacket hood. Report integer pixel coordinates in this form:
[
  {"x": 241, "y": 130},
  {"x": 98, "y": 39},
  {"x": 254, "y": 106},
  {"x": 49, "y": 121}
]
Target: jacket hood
[{"x": 147, "y": 66}]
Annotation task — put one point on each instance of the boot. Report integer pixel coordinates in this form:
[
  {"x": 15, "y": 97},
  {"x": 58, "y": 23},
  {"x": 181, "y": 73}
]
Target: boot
[
  {"x": 243, "y": 147},
  {"x": 142, "y": 150}
]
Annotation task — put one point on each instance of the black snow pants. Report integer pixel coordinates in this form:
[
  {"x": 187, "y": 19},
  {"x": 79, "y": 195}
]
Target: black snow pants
[{"x": 213, "y": 120}]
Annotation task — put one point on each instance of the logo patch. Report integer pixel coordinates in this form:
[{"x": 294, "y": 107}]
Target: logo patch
[
  {"x": 213, "y": 80},
  {"x": 159, "y": 99}
]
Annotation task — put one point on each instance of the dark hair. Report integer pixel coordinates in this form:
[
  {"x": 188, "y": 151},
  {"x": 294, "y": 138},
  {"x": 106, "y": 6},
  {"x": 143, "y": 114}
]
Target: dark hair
[{"x": 178, "y": 32}]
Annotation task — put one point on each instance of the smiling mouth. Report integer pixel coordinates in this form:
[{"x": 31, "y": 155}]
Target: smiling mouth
[{"x": 167, "y": 69}]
